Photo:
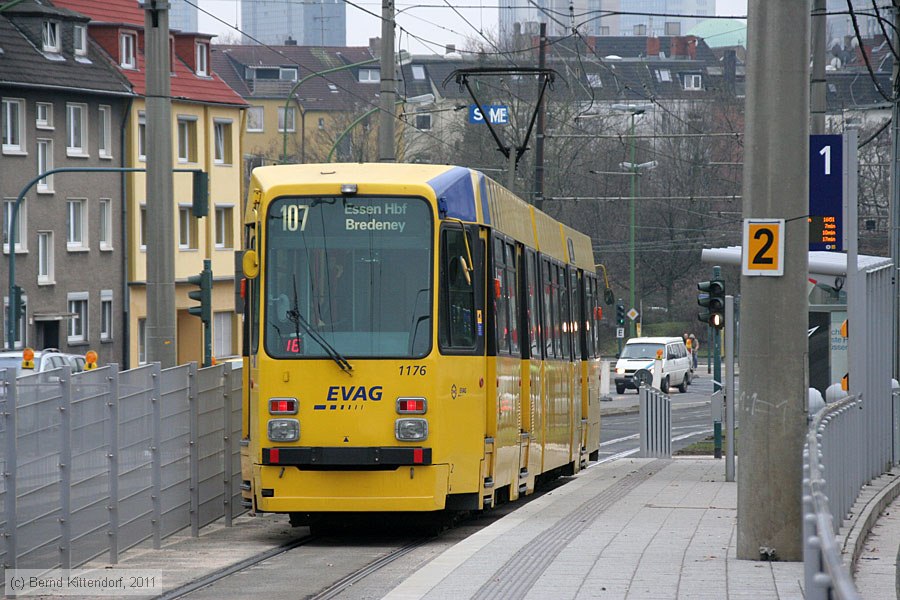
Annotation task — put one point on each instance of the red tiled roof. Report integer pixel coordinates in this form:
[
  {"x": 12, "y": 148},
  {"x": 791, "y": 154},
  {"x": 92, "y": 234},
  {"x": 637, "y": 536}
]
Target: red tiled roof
[{"x": 185, "y": 84}]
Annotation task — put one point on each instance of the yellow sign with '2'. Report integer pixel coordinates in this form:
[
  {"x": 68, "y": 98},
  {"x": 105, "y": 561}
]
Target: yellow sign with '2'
[{"x": 763, "y": 248}]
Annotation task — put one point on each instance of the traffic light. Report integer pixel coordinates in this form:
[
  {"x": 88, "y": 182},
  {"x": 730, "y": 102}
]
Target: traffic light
[
  {"x": 203, "y": 294},
  {"x": 620, "y": 314},
  {"x": 712, "y": 298}
]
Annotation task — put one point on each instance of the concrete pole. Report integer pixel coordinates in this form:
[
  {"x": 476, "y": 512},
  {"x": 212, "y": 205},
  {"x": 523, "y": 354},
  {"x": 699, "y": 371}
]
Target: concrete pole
[
  {"x": 817, "y": 83},
  {"x": 160, "y": 328},
  {"x": 386, "y": 152},
  {"x": 772, "y": 408},
  {"x": 631, "y": 224}
]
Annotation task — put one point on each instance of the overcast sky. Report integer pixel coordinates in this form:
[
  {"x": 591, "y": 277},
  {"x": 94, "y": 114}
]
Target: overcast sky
[{"x": 424, "y": 27}]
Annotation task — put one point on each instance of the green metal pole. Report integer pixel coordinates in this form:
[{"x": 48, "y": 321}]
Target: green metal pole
[
  {"x": 631, "y": 231},
  {"x": 287, "y": 101},
  {"x": 207, "y": 325}
]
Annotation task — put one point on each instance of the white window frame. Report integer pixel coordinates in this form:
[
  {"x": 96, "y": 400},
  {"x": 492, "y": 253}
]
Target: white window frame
[
  {"x": 187, "y": 228},
  {"x": 104, "y": 221},
  {"x": 222, "y": 141},
  {"x": 201, "y": 57},
  {"x": 76, "y": 224},
  {"x": 256, "y": 119},
  {"x": 106, "y": 315},
  {"x": 46, "y": 260},
  {"x": 287, "y": 73},
  {"x": 44, "y": 121},
  {"x": 187, "y": 139},
  {"x": 664, "y": 75},
  {"x": 142, "y": 136},
  {"x": 21, "y": 225},
  {"x": 104, "y": 131},
  {"x": 291, "y": 120},
  {"x": 423, "y": 116},
  {"x": 142, "y": 227},
  {"x": 128, "y": 49},
  {"x": 693, "y": 82},
  {"x": 369, "y": 75},
  {"x": 44, "y": 152},
  {"x": 77, "y": 303},
  {"x": 50, "y": 36},
  {"x": 142, "y": 341},
  {"x": 418, "y": 72},
  {"x": 76, "y": 127},
  {"x": 223, "y": 333},
  {"x": 79, "y": 40},
  {"x": 13, "y": 126},
  {"x": 224, "y": 226}
]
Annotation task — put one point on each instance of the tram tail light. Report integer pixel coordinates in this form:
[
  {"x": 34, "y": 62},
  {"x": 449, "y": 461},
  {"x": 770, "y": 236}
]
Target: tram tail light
[
  {"x": 283, "y": 406},
  {"x": 411, "y": 430},
  {"x": 412, "y": 406},
  {"x": 283, "y": 430}
]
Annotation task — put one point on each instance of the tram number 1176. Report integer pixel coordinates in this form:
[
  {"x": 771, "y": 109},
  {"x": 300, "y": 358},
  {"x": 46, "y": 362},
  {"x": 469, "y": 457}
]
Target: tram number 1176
[{"x": 412, "y": 370}]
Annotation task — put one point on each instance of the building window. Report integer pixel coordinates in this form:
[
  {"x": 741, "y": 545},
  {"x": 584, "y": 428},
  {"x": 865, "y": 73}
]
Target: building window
[
  {"x": 76, "y": 130},
  {"x": 142, "y": 136},
  {"x": 43, "y": 115},
  {"x": 79, "y": 42},
  {"x": 224, "y": 226},
  {"x": 187, "y": 229},
  {"x": 693, "y": 82},
  {"x": 44, "y": 164},
  {"x": 187, "y": 139},
  {"x": 142, "y": 341},
  {"x": 127, "y": 50},
  {"x": 418, "y": 72},
  {"x": 222, "y": 142},
  {"x": 664, "y": 75},
  {"x": 21, "y": 219},
  {"x": 423, "y": 122},
  {"x": 287, "y": 73},
  {"x": 78, "y": 321},
  {"x": 369, "y": 75},
  {"x": 105, "y": 223},
  {"x": 321, "y": 122},
  {"x": 286, "y": 124},
  {"x": 45, "y": 257},
  {"x": 594, "y": 80},
  {"x": 76, "y": 224},
  {"x": 143, "y": 227},
  {"x": 106, "y": 315},
  {"x": 223, "y": 334},
  {"x": 202, "y": 55},
  {"x": 13, "y": 126},
  {"x": 104, "y": 131},
  {"x": 50, "y": 36},
  {"x": 255, "y": 119}
]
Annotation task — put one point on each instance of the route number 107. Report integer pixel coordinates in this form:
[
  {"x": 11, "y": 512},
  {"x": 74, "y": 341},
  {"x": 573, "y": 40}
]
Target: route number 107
[{"x": 293, "y": 217}]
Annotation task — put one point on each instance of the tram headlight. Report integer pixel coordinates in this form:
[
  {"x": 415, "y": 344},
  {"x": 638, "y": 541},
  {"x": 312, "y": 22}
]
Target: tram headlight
[
  {"x": 284, "y": 430},
  {"x": 411, "y": 430}
]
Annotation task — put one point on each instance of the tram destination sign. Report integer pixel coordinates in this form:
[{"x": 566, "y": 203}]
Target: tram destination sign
[{"x": 826, "y": 192}]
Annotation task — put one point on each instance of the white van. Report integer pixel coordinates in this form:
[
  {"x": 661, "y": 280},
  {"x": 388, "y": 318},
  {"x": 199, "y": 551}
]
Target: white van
[{"x": 641, "y": 353}]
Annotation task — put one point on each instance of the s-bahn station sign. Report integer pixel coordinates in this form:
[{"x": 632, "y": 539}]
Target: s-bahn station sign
[
  {"x": 826, "y": 192},
  {"x": 498, "y": 114}
]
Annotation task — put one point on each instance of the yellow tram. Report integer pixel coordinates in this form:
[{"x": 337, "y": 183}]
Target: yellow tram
[{"x": 417, "y": 338}]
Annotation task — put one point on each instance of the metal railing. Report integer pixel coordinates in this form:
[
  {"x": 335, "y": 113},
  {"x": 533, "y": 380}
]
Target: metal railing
[
  {"x": 832, "y": 442},
  {"x": 97, "y": 462},
  {"x": 655, "y": 423}
]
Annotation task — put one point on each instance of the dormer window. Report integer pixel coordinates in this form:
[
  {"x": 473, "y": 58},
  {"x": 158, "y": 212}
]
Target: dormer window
[
  {"x": 287, "y": 73},
  {"x": 201, "y": 53},
  {"x": 369, "y": 75},
  {"x": 50, "y": 36},
  {"x": 79, "y": 40},
  {"x": 693, "y": 81},
  {"x": 128, "y": 50},
  {"x": 664, "y": 75}
]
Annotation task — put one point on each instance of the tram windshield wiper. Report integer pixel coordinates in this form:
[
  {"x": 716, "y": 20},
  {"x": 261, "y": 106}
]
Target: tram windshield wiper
[{"x": 299, "y": 321}]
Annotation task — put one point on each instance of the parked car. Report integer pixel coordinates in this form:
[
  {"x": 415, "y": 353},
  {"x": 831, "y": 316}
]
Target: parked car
[
  {"x": 641, "y": 353},
  {"x": 44, "y": 360}
]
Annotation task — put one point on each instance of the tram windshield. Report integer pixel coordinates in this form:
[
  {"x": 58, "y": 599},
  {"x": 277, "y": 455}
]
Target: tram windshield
[{"x": 348, "y": 277}]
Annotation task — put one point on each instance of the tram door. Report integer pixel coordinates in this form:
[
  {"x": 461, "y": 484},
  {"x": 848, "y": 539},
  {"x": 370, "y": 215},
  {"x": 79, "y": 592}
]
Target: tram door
[{"x": 530, "y": 462}]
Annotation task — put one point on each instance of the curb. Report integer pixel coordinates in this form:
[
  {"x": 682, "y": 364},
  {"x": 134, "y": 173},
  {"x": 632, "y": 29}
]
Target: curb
[{"x": 866, "y": 516}]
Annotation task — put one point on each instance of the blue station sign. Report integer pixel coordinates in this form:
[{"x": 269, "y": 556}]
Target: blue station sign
[
  {"x": 826, "y": 192},
  {"x": 498, "y": 114}
]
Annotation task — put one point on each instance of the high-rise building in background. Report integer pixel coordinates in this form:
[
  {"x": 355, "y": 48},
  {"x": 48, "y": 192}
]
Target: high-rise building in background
[
  {"x": 307, "y": 23},
  {"x": 660, "y": 17},
  {"x": 525, "y": 16},
  {"x": 182, "y": 16}
]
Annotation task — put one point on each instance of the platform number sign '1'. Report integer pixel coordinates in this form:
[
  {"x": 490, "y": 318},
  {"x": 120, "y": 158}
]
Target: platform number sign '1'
[
  {"x": 826, "y": 192},
  {"x": 763, "y": 247}
]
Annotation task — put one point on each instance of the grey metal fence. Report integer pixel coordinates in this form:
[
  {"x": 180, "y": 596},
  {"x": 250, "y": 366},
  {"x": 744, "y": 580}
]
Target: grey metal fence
[
  {"x": 655, "y": 423},
  {"x": 100, "y": 461},
  {"x": 832, "y": 478}
]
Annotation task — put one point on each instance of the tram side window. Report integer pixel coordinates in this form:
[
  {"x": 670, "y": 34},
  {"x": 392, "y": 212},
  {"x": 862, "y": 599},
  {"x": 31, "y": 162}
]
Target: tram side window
[
  {"x": 547, "y": 312},
  {"x": 532, "y": 298},
  {"x": 590, "y": 324},
  {"x": 576, "y": 319},
  {"x": 563, "y": 320},
  {"x": 505, "y": 305},
  {"x": 457, "y": 299},
  {"x": 511, "y": 288}
]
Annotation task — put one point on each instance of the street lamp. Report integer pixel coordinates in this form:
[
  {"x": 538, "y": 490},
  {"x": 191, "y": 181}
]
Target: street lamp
[
  {"x": 287, "y": 105},
  {"x": 423, "y": 99},
  {"x": 633, "y": 110}
]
